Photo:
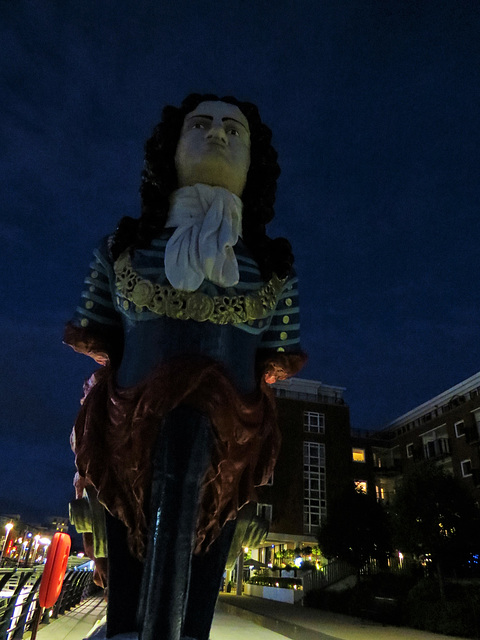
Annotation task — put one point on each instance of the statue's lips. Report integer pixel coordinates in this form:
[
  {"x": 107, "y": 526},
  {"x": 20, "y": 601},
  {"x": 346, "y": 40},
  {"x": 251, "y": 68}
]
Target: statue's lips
[{"x": 216, "y": 144}]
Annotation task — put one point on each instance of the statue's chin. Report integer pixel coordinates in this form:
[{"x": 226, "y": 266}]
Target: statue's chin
[{"x": 215, "y": 174}]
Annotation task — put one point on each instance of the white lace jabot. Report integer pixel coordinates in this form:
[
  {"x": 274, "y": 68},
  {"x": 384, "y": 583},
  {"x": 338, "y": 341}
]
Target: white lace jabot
[{"x": 208, "y": 223}]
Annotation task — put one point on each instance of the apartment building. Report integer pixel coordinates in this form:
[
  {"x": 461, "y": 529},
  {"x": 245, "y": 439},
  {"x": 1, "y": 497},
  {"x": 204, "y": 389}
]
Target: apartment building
[
  {"x": 314, "y": 465},
  {"x": 445, "y": 429}
]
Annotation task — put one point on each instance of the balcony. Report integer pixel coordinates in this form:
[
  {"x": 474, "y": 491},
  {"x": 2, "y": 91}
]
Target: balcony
[
  {"x": 390, "y": 469},
  {"x": 439, "y": 448}
]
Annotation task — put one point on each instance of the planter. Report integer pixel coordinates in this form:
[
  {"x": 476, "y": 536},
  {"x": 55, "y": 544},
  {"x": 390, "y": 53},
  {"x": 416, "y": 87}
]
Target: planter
[{"x": 274, "y": 593}]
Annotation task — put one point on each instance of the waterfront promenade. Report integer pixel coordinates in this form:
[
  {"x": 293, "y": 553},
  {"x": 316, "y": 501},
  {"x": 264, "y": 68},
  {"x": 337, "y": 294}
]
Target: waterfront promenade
[
  {"x": 248, "y": 618},
  {"x": 300, "y": 623}
]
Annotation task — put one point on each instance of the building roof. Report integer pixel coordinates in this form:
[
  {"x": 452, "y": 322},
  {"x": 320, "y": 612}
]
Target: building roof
[
  {"x": 439, "y": 404},
  {"x": 314, "y": 390}
]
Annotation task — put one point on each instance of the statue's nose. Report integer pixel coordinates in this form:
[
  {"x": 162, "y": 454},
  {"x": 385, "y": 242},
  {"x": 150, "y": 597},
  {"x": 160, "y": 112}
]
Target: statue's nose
[{"x": 217, "y": 133}]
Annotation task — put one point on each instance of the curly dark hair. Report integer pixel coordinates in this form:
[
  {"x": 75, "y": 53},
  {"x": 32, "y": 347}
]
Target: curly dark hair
[{"x": 159, "y": 180}]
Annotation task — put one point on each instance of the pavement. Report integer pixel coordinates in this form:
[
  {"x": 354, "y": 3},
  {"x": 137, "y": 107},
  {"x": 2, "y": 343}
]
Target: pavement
[
  {"x": 300, "y": 623},
  {"x": 75, "y": 624},
  {"x": 249, "y": 618}
]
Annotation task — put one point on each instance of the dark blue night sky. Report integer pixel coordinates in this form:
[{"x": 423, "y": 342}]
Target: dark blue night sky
[{"x": 374, "y": 105}]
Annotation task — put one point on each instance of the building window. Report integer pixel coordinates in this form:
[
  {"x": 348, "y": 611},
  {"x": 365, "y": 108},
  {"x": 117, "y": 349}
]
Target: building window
[
  {"x": 460, "y": 429},
  {"x": 436, "y": 448},
  {"x": 436, "y": 443},
  {"x": 466, "y": 468},
  {"x": 360, "y": 486},
  {"x": 380, "y": 493},
  {"x": 410, "y": 450},
  {"x": 358, "y": 455},
  {"x": 314, "y": 422},
  {"x": 265, "y": 511},
  {"x": 476, "y": 415},
  {"x": 314, "y": 496}
]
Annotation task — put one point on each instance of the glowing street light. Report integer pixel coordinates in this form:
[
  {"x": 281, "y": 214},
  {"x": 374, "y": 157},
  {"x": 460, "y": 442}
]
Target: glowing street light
[
  {"x": 8, "y": 527},
  {"x": 45, "y": 543},
  {"x": 35, "y": 547}
]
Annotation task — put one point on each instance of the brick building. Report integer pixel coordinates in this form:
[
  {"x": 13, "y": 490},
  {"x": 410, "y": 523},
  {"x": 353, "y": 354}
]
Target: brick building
[
  {"x": 314, "y": 464},
  {"x": 320, "y": 454},
  {"x": 445, "y": 429}
]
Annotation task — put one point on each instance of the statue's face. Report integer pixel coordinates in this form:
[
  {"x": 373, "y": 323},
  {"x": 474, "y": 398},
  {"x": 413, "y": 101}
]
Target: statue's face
[{"x": 214, "y": 147}]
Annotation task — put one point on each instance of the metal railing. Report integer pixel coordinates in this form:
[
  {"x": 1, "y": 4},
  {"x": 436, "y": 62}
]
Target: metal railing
[
  {"x": 331, "y": 573},
  {"x": 19, "y": 594}
]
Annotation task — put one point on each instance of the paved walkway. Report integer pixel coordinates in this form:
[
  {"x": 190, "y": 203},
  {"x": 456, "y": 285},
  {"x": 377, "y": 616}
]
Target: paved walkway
[
  {"x": 300, "y": 623},
  {"x": 75, "y": 624},
  {"x": 248, "y": 618}
]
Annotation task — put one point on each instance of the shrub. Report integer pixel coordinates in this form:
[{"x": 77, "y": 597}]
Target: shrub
[
  {"x": 269, "y": 581},
  {"x": 458, "y": 614},
  {"x": 414, "y": 605}
]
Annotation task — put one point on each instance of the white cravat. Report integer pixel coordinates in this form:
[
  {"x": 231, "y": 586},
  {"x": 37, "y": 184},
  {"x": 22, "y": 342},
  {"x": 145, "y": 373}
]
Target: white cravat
[{"x": 208, "y": 223}]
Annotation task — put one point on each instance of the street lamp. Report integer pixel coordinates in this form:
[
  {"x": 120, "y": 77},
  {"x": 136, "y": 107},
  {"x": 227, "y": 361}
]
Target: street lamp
[
  {"x": 8, "y": 527},
  {"x": 35, "y": 548},
  {"x": 21, "y": 552},
  {"x": 45, "y": 542}
]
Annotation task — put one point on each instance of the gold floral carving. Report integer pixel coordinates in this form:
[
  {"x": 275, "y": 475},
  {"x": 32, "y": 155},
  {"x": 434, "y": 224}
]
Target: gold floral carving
[{"x": 164, "y": 300}]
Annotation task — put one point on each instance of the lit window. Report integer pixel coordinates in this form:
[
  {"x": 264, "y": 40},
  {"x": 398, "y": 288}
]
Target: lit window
[
  {"x": 410, "y": 450},
  {"x": 460, "y": 429},
  {"x": 360, "y": 486},
  {"x": 466, "y": 468},
  {"x": 314, "y": 422},
  {"x": 380, "y": 493},
  {"x": 358, "y": 455}
]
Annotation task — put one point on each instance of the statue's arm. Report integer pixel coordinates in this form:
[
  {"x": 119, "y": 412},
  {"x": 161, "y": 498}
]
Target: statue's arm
[
  {"x": 95, "y": 328},
  {"x": 280, "y": 354}
]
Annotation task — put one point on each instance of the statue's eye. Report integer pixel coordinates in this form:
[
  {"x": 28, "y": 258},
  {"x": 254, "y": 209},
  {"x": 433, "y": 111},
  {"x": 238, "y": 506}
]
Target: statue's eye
[
  {"x": 233, "y": 132},
  {"x": 198, "y": 125}
]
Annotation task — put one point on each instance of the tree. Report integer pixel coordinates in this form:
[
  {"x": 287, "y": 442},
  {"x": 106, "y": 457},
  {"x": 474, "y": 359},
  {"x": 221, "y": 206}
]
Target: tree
[
  {"x": 434, "y": 516},
  {"x": 356, "y": 529}
]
